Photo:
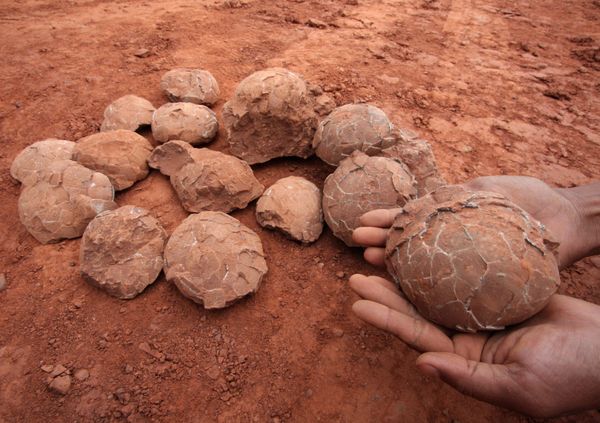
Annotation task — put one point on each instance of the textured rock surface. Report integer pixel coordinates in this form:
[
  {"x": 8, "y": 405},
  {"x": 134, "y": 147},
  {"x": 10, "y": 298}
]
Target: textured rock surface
[
  {"x": 418, "y": 156},
  {"x": 351, "y": 127},
  {"x": 63, "y": 200},
  {"x": 214, "y": 259},
  {"x": 121, "y": 155},
  {"x": 128, "y": 112},
  {"x": 171, "y": 156},
  {"x": 293, "y": 206},
  {"x": 270, "y": 115},
  {"x": 360, "y": 184},
  {"x": 215, "y": 181},
  {"x": 122, "y": 251},
  {"x": 190, "y": 85},
  {"x": 472, "y": 260},
  {"x": 37, "y": 157},
  {"x": 188, "y": 122}
]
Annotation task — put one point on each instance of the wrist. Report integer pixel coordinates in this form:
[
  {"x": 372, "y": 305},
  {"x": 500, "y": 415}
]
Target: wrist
[{"x": 586, "y": 202}]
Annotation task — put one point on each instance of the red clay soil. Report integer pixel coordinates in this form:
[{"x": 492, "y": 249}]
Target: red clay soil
[{"x": 497, "y": 86}]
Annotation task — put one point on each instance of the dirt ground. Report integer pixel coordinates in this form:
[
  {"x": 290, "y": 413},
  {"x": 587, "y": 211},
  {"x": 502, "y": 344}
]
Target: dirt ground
[{"x": 498, "y": 87}]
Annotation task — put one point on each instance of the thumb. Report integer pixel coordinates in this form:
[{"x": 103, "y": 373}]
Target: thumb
[{"x": 492, "y": 383}]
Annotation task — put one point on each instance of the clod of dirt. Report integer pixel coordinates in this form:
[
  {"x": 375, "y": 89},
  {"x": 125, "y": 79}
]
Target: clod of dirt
[
  {"x": 2, "y": 282},
  {"x": 360, "y": 184},
  {"x": 128, "y": 112},
  {"x": 38, "y": 156},
  {"x": 64, "y": 199},
  {"x": 472, "y": 260},
  {"x": 270, "y": 115},
  {"x": 190, "y": 85},
  {"x": 122, "y": 251},
  {"x": 121, "y": 155},
  {"x": 418, "y": 156},
  {"x": 293, "y": 206},
  {"x": 60, "y": 384},
  {"x": 215, "y": 181},
  {"x": 171, "y": 156},
  {"x": 351, "y": 127},
  {"x": 214, "y": 259},
  {"x": 82, "y": 374},
  {"x": 188, "y": 122}
]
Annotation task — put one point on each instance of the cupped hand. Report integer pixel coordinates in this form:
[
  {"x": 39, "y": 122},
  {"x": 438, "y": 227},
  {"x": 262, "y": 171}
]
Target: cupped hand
[
  {"x": 546, "y": 366},
  {"x": 555, "y": 208}
]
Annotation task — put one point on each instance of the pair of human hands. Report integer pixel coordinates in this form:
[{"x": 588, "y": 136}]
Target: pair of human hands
[{"x": 546, "y": 366}]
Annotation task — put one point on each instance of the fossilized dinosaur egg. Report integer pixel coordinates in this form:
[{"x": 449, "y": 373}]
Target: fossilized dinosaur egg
[
  {"x": 188, "y": 122},
  {"x": 352, "y": 127},
  {"x": 214, "y": 259},
  {"x": 292, "y": 205},
  {"x": 38, "y": 156},
  {"x": 471, "y": 260},
  {"x": 128, "y": 112},
  {"x": 121, "y": 155},
  {"x": 122, "y": 251},
  {"x": 360, "y": 184},
  {"x": 270, "y": 115},
  {"x": 190, "y": 85}
]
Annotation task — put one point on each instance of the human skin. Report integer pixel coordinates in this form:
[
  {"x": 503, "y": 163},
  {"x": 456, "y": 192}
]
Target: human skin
[{"x": 546, "y": 366}]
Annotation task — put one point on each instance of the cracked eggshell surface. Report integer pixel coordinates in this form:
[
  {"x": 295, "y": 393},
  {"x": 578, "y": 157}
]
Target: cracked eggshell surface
[
  {"x": 351, "y": 127},
  {"x": 270, "y": 115},
  {"x": 122, "y": 251},
  {"x": 418, "y": 156},
  {"x": 63, "y": 199},
  {"x": 171, "y": 156},
  {"x": 121, "y": 155},
  {"x": 215, "y": 181},
  {"x": 188, "y": 122},
  {"x": 360, "y": 184},
  {"x": 190, "y": 85},
  {"x": 292, "y": 205},
  {"x": 127, "y": 112},
  {"x": 214, "y": 259},
  {"x": 38, "y": 156},
  {"x": 472, "y": 260}
]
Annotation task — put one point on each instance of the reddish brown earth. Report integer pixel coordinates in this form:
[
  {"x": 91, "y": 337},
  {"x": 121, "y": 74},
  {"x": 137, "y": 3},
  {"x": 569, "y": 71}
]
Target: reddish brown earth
[{"x": 498, "y": 87}]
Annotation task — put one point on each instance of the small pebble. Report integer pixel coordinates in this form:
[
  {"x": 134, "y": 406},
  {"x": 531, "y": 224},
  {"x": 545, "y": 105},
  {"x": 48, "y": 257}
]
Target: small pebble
[
  {"x": 60, "y": 384},
  {"x": 340, "y": 274}
]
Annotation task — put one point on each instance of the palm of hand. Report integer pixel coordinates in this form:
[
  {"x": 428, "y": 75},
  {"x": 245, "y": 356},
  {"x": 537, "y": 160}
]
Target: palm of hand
[{"x": 538, "y": 368}]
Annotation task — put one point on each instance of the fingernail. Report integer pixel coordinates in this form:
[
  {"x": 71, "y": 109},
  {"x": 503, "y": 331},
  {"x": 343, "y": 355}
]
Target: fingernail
[{"x": 429, "y": 370}]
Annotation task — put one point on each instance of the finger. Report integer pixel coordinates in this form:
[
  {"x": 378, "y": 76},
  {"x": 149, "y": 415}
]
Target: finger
[
  {"x": 378, "y": 280},
  {"x": 375, "y": 256},
  {"x": 377, "y": 290},
  {"x": 488, "y": 382},
  {"x": 370, "y": 236},
  {"x": 380, "y": 218},
  {"x": 417, "y": 333}
]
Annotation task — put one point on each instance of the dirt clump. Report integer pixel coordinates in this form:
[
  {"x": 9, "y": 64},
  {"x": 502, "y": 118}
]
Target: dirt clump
[
  {"x": 271, "y": 114},
  {"x": 351, "y": 127},
  {"x": 472, "y": 260},
  {"x": 63, "y": 200},
  {"x": 121, "y": 155},
  {"x": 292, "y": 205},
  {"x": 188, "y": 122},
  {"x": 362, "y": 183},
  {"x": 37, "y": 156},
  {"x": 128, "y": 112},
  {"x": 215, "y": 181},
  {"x": 190, "y": 85},
  {"x": 214, "y": 259},
  {"x": 171, "y": 156},
  {"x": 418, "y": 157},
  {"x": 122, "y": 251}
]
